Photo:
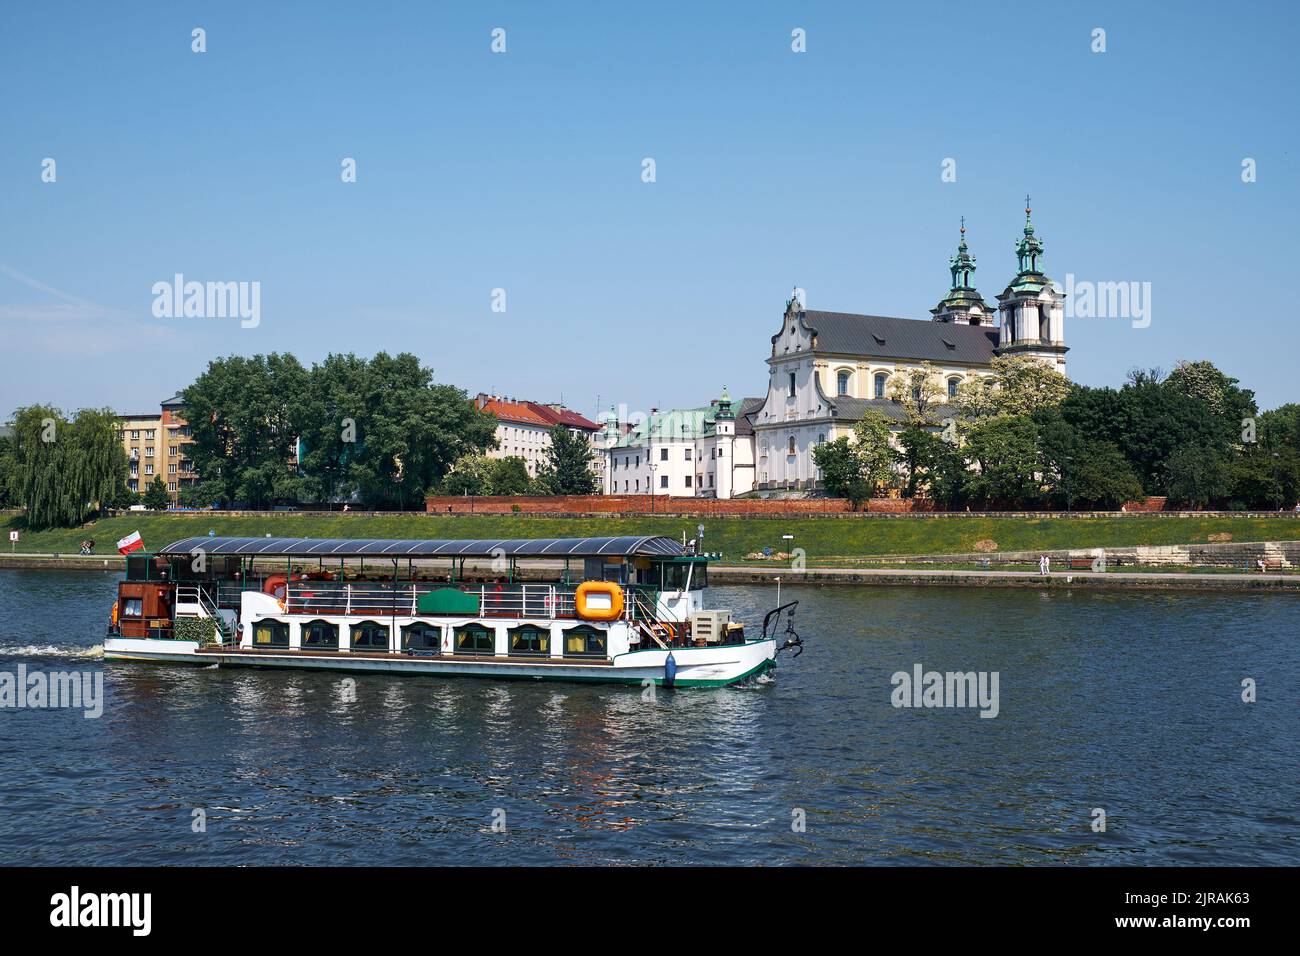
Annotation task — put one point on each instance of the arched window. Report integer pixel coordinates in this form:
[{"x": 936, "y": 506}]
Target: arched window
[
  {"x": 789, "y": 446},
  {"x": 952, "y": 386},
  {"x": 792, "y": 384},
  {"x": 270, "y": 634},
  {"x": 530, "y": 640},
  {"x": 369, "y": 636},
  {"x": 422, "y": 637},
  {"x": 320, "y": 634},
  {"x": 881, "y": 378},
  {"x": 584, "y": 641},
  {"x": 842, "y": 379},
  {"x": 475, "y": 639}
]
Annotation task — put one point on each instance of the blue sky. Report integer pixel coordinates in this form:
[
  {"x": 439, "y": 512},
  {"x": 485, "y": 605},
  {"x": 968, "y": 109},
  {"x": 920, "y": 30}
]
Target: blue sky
[{"x": 522, "y": 171}]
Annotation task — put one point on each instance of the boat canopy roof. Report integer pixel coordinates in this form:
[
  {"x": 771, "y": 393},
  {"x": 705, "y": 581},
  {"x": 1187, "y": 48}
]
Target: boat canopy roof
[{"x": 626, "y": 546}]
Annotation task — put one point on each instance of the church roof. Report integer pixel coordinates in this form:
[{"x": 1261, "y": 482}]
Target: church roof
[
  {"x": 852, "y": 409},
  {"x": 880, "y": 336},
  {"x": 749, "y": 407}
]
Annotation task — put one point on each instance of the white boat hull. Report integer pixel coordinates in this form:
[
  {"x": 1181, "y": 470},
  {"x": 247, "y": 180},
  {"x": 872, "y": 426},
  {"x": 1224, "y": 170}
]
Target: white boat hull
[{"x": 695, "y": 666}]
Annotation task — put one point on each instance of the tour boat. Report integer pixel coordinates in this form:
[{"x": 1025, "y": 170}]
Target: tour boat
[{"x": 613, "y": 609}]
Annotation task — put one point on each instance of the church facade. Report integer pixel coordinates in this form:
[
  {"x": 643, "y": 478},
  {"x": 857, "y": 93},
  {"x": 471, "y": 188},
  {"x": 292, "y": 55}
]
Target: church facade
[{"x": 826, "y": 369}]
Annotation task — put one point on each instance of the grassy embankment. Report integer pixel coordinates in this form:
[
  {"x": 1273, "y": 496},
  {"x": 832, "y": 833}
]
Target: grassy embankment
[{"x": 826, "y": 541}]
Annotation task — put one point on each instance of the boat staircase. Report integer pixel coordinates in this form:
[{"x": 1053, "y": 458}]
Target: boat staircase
[{"x": 194, "y": 601}]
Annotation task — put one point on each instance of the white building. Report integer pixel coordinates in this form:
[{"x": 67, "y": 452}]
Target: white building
[
  {"x": 524, "y": 428},
  {"x": 827, "y": 368},
  {"x": 693, "y": 452}
]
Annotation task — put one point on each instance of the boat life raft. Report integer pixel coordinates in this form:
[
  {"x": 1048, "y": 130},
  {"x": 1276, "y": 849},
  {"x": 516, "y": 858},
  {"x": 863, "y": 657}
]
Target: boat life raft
[{"x": 598, "y": 601}]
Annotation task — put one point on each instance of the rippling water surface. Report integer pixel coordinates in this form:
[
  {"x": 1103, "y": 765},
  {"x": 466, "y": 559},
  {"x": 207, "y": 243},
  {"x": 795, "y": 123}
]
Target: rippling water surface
[{"x": 1125, "y": 701}]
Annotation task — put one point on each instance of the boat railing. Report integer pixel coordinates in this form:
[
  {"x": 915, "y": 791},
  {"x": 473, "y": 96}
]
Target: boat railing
[{"x": 381, "y": 598}]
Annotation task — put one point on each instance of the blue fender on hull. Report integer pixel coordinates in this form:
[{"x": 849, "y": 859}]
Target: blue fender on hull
[{"x": 670, "y": 670}]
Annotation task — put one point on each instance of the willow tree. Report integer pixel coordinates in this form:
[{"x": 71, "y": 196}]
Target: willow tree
[{"x": 63, "y": 470}]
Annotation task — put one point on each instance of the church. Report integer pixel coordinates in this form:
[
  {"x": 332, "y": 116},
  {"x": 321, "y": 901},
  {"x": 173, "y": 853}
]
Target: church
[{"x": 826, "y": 369}]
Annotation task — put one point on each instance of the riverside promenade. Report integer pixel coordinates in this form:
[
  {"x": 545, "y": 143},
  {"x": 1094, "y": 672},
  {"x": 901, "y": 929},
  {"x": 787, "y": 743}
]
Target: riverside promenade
[{"x": 909, "y": 577}]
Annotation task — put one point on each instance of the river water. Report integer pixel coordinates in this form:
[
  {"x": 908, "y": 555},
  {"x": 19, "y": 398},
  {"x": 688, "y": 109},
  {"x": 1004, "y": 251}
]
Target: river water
[{"x": 1127, "y": 702}]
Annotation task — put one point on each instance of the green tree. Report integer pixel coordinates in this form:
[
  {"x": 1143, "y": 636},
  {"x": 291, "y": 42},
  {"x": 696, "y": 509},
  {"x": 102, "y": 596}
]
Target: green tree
[
  {"x": 840, "y": 467},
  {"x": 1279, "y": 428},
  {"x": 509, "y": 476},
  {"x": 336, "y": 399},
  {"x": 871, "y": 440},
  {"x": 1016, "y": 385},
  {"x": 1006, "y": 451},
  {"x": 920, "y": 450},
  {"x": 410, "y": 431},
  {"x": 1264, "y": 480},
  {"x": 471, "y": 475},
  {"x": 62, "y": 471},
  {"x": 156, "y": 497},
  {"x": 1196, "y": 475},
  {"x": 567, "y": 469},
  {"x": 245, "y": 416},
  {"x": 918, "y": 391}
]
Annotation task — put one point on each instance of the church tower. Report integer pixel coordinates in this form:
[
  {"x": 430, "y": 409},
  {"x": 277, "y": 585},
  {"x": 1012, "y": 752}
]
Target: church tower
[
  {"x": 724, "y": 423},
  {"x": 963, "y": 304},
  {"x": 1032, "y": 311}
]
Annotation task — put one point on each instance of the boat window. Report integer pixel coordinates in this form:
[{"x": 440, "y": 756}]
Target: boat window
[
  {"x": 320, "y": 634},
  {"x": 369, "y": 636},
  {"x": 675, "y": 574},
  {"x": 422, "y": 637},
  {"x": 529, "y": 639},
  {"x": 584, "y": 642},
  {"x": 270, "y": 634},
  {"x": 133, "y": 607},
  {"x": 475, "y": 639}
]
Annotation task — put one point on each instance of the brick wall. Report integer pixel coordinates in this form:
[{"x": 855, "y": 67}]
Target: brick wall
[{"x": 631, "y": 504}]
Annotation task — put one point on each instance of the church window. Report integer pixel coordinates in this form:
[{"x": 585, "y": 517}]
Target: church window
[
  {"x": 842, "y": 383},
  {"x": 789, "y": 448},
  {"x": 952, "y": 386},
  {"x": 880, "y": 384},
  {"x": 792, "y": 384}
]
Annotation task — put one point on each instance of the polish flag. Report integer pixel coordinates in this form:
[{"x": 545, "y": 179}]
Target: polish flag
[{"x": 130, "y": 543}]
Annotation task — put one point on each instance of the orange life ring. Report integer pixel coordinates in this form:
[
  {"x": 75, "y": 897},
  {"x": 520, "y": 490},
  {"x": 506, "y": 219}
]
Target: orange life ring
[
  {"x": 277, "y": 582},
  {"x": 598, "y": 601}
]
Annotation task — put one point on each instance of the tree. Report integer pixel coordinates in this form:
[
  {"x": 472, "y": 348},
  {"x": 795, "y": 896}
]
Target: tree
[
  {"x": 469, "y": 476},
  {"x": 1103, "y": 477},
  {"x": 1016, "y": 385},
  {"x": 61, "y": 470},
  {"x": 920, "y": 450},
  {"x": 1006, "y": 451},
  {"x": 567, "y": 469},
  {"x": 1280, "y": 428},
  {"x": 156, "y": 497},
  {"x": 245, "y": 416},
  {"x": 976, "y": 399},
  {"x": 410, "y": 432},
  {"x": 509, "y": 476},
  {"x": 840, "y": 466},
  {"x": 1263, "y": 480},
  {"x": 918, "y": 391},
  {"x": 1213, "y": 389},
  {"x": 1196, "y": 475},
  {"x": 871, "y": 438}
]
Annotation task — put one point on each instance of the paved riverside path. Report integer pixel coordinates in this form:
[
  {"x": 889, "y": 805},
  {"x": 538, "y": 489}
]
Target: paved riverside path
[{"x": 1210, "y": 580}]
